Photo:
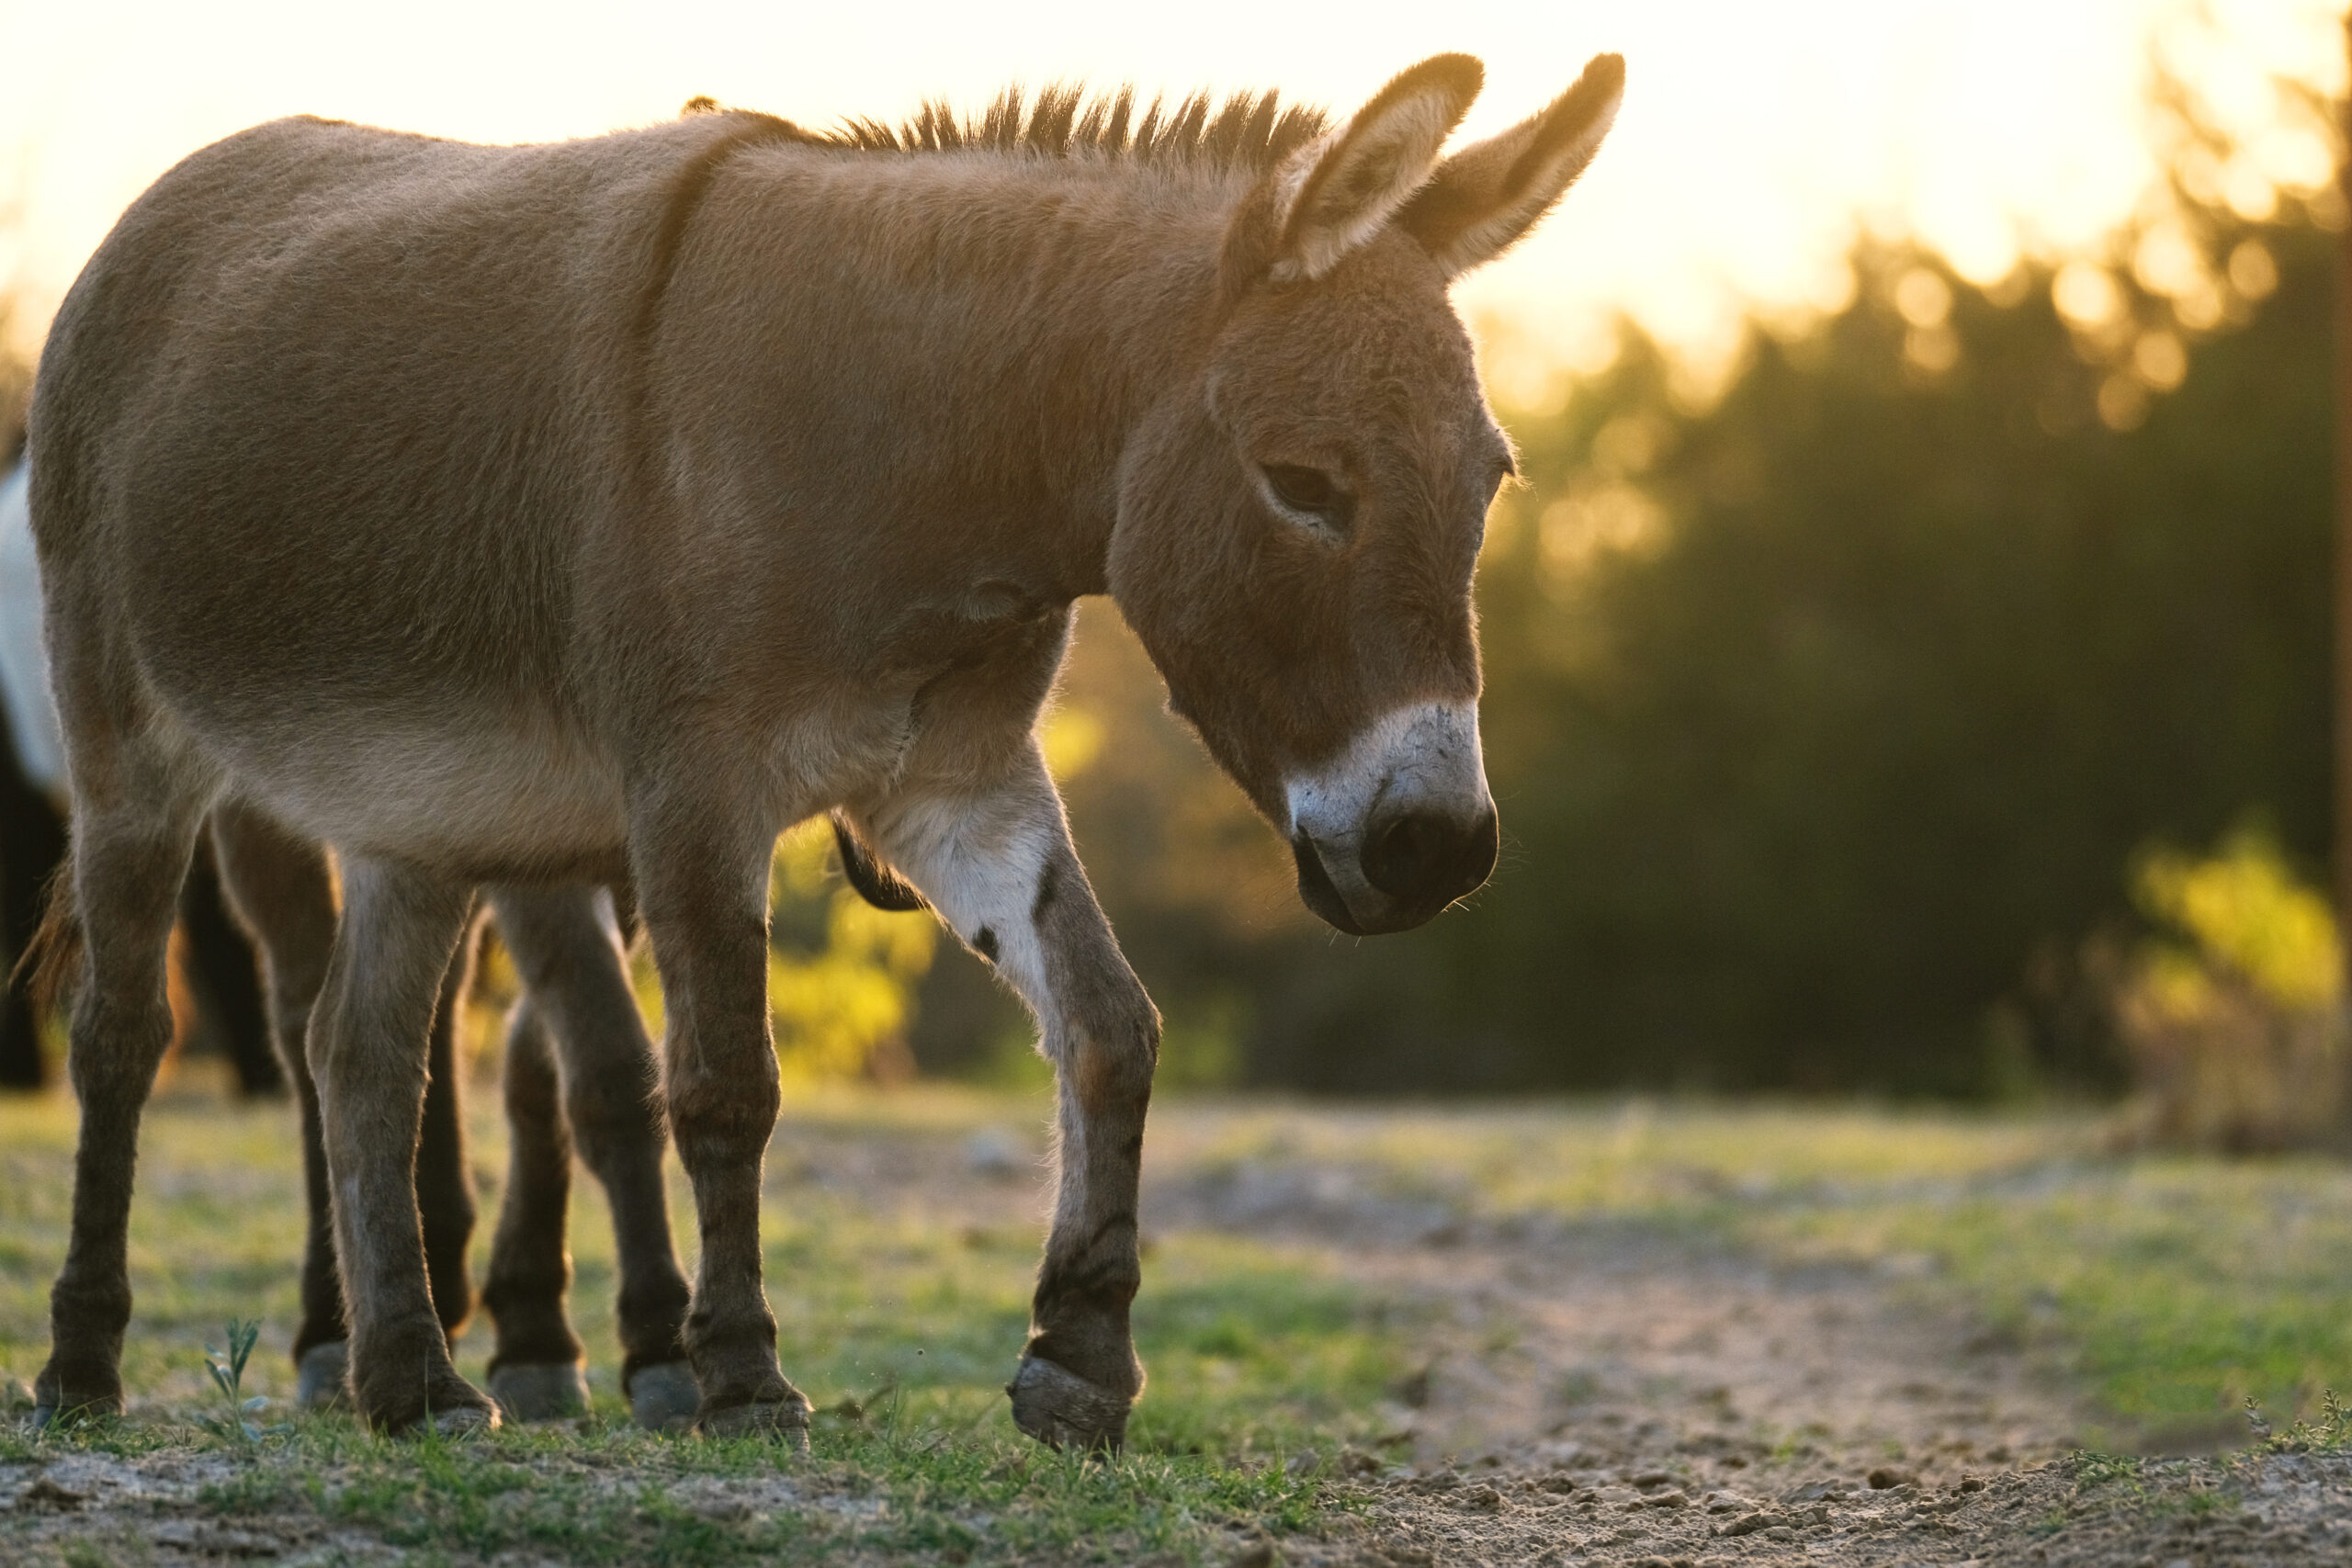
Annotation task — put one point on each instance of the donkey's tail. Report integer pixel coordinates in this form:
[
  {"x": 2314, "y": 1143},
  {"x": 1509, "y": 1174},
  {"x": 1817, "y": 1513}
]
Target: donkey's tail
[{"x": 53, "y": 958}]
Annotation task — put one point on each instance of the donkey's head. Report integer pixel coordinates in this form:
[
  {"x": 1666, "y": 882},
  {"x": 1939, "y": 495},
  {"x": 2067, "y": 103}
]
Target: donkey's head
[{"x": 1298, "y": 520}]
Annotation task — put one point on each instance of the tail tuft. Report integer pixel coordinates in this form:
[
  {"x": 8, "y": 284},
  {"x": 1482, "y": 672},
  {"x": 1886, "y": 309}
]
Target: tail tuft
[{"x": 52, "y": 960}]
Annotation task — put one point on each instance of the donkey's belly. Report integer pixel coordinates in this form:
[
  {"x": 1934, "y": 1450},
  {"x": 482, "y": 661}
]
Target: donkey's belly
[{"x": 486, "y": 802}]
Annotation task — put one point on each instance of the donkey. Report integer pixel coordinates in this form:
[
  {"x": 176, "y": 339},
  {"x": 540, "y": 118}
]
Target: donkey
[{"x": 547, "y": 515}]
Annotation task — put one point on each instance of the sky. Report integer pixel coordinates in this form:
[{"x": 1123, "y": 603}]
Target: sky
[{"x": 1755, "y": 140}]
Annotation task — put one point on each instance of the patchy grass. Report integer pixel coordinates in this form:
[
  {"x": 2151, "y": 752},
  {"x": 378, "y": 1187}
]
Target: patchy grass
[
  {"x": 2174, "y": 1288},
  {"x": 606, "y": 1494},
  {"x": 900, "y": 1318},
  {"x": 899, "y": 1268}
]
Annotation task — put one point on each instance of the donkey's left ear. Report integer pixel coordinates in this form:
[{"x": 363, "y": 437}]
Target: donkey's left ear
[
  {"x": 1485, "y": 197},
  {"x": 1334, "y": 195}
]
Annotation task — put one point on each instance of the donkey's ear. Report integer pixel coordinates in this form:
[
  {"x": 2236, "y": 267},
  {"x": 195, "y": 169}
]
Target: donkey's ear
[
  {"x": 1334, "y": 194},
  {"x": 1485, "y": 197}
]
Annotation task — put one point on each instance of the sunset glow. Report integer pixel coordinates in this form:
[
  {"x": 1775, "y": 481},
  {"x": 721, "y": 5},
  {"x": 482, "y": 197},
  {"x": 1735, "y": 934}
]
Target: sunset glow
[{"x": 1754, "y": 139}]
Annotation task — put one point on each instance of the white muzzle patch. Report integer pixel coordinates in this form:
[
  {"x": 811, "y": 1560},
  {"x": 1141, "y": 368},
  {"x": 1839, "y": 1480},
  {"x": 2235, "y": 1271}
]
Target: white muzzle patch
[{"x": 1421, "y": 759}]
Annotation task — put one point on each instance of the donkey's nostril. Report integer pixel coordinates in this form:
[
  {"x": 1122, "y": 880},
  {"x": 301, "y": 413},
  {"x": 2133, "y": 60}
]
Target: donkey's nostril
[
  {"x": 1425, "y": 857},
  {"x": 1397, "y": 854}
]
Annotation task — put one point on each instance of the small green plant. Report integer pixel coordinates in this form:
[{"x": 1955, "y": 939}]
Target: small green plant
[
  {"x": 228, "y": 1369},
  {"x": 2332, "y": 1433},
  {"x": 2092, "y": 1469}
]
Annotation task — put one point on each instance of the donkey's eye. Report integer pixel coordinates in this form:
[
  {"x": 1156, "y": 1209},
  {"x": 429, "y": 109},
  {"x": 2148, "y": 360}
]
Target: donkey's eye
[{"x": 1310, "y": 491}]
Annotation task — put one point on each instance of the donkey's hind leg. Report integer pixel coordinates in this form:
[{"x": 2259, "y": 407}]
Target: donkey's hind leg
[
  {"x": 368, "y": 1050},
  {"x": 131, "y": 839},
  {"x": 445, "y": 1185},
  {"x": 580, "y": 1009},
  {"x": 281, "y": 888}
]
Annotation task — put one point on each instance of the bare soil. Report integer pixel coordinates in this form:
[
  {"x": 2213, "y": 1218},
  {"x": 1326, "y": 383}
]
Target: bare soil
[{"x": 1607, "y": 1394}]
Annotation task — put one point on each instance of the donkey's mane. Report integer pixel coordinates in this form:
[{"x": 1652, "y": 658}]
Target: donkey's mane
[{"x": 1248, "y": 130}]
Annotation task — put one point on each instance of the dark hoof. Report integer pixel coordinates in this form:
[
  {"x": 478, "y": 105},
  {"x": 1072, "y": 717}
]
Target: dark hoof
[
  {"x": 319, "y": 1377},
  {"x": 48, "y": 1416},
  {"x": 663, "y": 1397},
  {"x": 787, "y": 1419},
  {"x": 55, "y": 1406},
  {"x": 464, "y": 1421},
  {"x": 543, "y": 1391},
  {"x": 447, "y": 1404},
  {"x": 1062, "y": 1410}
]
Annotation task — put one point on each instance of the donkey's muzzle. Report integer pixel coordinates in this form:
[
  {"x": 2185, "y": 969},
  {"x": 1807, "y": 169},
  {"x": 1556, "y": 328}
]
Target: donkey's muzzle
[
  {"x": 1412, "y": 865},
  {"x": 1396, "y": 826},
  {"x": 1425, "y": 858}
]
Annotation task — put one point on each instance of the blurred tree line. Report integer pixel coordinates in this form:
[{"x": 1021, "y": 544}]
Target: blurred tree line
[{"x": 1827, "y": 715}]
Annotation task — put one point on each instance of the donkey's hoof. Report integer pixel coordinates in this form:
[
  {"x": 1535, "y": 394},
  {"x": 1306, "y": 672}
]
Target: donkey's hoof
[
  {"x": 545, "y": 1391},
  {"x": 47, "y": 1415},
  {"x": 663, "y": 1397},
  {"x": 787, "y": 1419},
  {"x": 319, "y": 1377},
  {"x": 1062, "y": 1410},
  {"x": 465, "y": 1420},
  {"x": 54, "y": 1404}
]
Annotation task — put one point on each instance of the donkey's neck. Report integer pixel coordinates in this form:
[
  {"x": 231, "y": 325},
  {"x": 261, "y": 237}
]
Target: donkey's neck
[{"x": 982, "y": 332}]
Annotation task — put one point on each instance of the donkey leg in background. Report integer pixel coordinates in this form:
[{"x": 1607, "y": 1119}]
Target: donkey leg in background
[
  {"x": 536, "y": 1373},
  {"x": 704, "y": 896},
  {"x": 567, "y": 947},
  {"x": 32, "y": 846},
  {"x": 445, "y": 1185},
  {"x": 280, "y": 886},
  {"x": 223, "y": 970},
  {"x": 400, "y": 927},
  {"x": 1000, "y": 869},
  {"x": 135, "y": 824}
]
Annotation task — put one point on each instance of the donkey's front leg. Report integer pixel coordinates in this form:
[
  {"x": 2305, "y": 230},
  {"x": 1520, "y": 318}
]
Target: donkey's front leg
[
  {"x": 1000, "y": 868},
  {"x": 705, "y": 908},
  {"x": 367, "y": 1053}
]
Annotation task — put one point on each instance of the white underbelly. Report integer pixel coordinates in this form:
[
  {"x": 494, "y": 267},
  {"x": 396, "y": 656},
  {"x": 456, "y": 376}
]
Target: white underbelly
[{"x": 473, "y": 798}]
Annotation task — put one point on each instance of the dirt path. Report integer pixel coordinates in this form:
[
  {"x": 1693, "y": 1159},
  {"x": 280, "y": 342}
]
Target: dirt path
[{"x": 1608, "y": 1394}]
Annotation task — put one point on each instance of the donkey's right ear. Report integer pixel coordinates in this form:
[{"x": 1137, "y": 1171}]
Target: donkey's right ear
[
  {"x": 1485, "y": 197},
  {"x": 1339, "y": 191}
]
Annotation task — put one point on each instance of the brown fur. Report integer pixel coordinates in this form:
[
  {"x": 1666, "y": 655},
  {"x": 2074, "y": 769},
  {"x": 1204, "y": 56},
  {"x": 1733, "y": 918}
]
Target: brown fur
[{"x": 555, "y": 515}]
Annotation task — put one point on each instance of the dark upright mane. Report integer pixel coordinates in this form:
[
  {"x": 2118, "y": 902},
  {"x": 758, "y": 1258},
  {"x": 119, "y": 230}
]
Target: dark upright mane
[{"x": 1248, "y": 131}]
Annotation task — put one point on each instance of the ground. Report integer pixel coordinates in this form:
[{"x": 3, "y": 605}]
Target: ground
[{"x": 1624, "y": 1333}]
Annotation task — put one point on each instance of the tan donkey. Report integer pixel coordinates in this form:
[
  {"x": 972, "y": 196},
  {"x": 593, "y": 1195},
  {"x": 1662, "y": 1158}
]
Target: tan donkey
[{"x": 550, "y": 515}]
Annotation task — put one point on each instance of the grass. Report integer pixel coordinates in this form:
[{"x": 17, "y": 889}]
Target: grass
[
  {"x": 900, "y": 1318},
  {"x": 2173, "y": 1290}
]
